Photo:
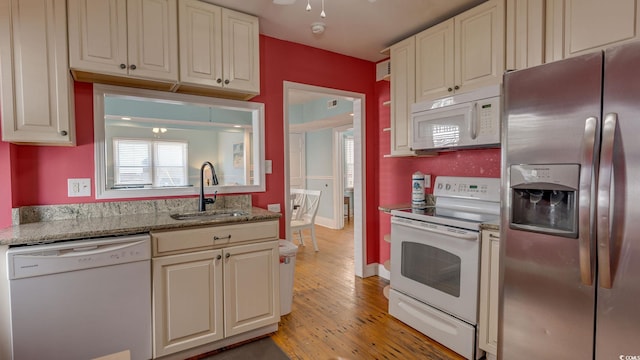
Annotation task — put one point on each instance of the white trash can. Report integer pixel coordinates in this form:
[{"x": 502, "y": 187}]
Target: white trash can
[{"x": 288, "y": 252}]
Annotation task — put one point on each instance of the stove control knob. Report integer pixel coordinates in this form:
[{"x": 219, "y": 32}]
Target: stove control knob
[
  {"x": 448, "y": 187},
  {"x": 439, "y": 186}
]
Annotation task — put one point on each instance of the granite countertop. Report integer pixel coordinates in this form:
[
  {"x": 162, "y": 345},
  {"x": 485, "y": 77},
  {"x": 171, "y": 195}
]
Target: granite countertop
[
  {"x": 491, "y": 225},
  {"x": 82, "y": 228}
]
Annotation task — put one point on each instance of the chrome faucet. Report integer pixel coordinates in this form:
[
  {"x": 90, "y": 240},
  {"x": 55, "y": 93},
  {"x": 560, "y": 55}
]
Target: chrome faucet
[{"x": 202, "y": 202}]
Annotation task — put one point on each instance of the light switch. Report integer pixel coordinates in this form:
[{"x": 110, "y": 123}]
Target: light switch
[{"x": 268, "y": 167}]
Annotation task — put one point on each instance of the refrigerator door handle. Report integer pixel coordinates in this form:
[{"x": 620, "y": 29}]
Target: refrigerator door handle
[
  {"x": 586, "y": 176},
  {"x": 605, "y": 175}
]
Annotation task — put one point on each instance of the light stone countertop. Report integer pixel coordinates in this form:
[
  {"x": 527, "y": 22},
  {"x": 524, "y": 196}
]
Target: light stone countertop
[
  {"x": 126, "y": 224},
  {"x": 491, "y": 226}
]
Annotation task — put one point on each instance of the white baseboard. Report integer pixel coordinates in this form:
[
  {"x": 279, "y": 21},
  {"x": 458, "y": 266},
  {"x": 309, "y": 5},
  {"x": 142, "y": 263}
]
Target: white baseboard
[
  {"x": 383, "y": 273},
  {"x": 326, "y": 222}
]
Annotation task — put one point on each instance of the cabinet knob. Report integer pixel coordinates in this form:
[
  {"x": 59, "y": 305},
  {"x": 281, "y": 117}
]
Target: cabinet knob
[
  {"x": 449, "y": 89},
  {"x": 456, "y": 87},
  {"x": 132, "y": 67},
  {"x": 228, "y": 255},
  {"x": 218, "y": 80},
  {"x": 64, "y": 133},
  {"x": 123, "y": 66},
  {"x": 226, "y": 82},
  {"x": 219, "y": 257}
]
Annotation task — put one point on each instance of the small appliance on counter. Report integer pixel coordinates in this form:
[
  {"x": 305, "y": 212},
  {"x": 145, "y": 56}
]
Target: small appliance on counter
[{"x": 418, "y": 200}]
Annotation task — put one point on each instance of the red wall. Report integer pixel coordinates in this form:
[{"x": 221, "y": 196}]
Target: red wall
[
  {"x": 37, "y": 175},
  {"x": 395, "y": 173},
  {"x": 5, "y": 185}
]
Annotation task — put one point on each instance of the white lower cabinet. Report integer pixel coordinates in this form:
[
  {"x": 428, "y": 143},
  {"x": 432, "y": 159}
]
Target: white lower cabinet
[
  {"x": 251, "y": 287},
  {"x": 187, "y": 301},
  {"x": 213, "y": 291},
  {"x": 489, "y": 294}
]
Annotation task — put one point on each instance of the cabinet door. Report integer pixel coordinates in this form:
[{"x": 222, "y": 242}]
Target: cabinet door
[
  {"x": 98, "y": 36},
  {"x": 489, "y": 278},
  {"x": 240, "y": 51},
  {"x": 403, "y": 63},
  {"x": 525, "y": 33},
  {"x": 35, "y": 86},
  {"x": 590, "y": 25},
  {"x": 200, "y": 43},
  {"x": 434, "y": 62},
  {"x": 479, "y": 46},
  {"x": 251, "y": 287},
  {"x": 187, "y": 301},
  {"x": 152, "y": 29}
]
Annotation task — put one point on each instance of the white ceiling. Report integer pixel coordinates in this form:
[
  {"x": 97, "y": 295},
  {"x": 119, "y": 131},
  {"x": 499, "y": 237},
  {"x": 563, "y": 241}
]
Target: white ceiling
[{"x": 358, "y": 28}]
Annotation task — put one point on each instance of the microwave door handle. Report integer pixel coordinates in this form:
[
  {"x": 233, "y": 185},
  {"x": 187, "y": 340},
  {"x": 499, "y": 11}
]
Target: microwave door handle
[
  {"x": 585, "y": 201},
  {"x": 605, "y": 183},
  {"x": 473, "y": 119}
]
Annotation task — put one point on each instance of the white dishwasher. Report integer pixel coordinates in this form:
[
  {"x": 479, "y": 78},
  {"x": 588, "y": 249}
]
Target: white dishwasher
[{"x": 81, "y": 299}]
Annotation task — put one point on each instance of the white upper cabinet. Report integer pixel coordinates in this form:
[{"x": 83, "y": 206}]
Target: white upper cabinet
[
  {"x": 219, "y": 48},
  {"x": 136, "y": 39},
  {"x": 462, "y": 53},
  {"x": 576, "y": 27},
  {"x": 403, "y": 62},
  {"x": 36, "y": 90},
  {"x": 435, "y": 63},
  {"x": 525, "y": 34}
]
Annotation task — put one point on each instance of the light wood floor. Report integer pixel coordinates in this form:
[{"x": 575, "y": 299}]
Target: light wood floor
[{"x": 336, "y": 315}]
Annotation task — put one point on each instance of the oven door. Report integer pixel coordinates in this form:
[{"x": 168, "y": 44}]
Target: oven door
[{"x": 437, "y": 265}]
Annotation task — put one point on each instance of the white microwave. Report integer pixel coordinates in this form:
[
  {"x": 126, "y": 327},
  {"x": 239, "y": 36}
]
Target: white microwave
[{"x": 468, "y": 120}]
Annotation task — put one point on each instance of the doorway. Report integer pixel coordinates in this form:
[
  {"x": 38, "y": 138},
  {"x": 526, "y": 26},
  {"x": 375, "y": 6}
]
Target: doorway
[{"x": 336, "y": 193}]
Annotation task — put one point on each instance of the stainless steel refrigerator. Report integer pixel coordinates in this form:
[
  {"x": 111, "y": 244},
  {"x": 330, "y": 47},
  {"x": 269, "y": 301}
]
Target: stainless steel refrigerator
[{"x": 570, "y": 229}]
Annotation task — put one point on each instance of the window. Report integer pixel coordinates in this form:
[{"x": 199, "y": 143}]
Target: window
[
  {"x": 140, "y": 163},
  {"x": 348, "y": 160}
]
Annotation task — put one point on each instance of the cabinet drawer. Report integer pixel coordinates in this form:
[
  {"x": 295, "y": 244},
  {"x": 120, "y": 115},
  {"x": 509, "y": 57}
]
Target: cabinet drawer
[{"x": 210, "y": 237}]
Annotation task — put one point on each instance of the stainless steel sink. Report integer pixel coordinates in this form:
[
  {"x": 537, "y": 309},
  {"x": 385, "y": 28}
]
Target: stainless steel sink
[{"x": 209, "y": 215}]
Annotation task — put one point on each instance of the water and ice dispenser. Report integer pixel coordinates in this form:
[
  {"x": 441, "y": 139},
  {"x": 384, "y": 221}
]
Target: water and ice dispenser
[{"x": 544, "y": 198}]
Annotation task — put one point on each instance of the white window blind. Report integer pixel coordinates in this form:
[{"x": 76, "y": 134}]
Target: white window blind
[
  {"x": 147, "y": 162},
  {"x": 348, "y": 156}
]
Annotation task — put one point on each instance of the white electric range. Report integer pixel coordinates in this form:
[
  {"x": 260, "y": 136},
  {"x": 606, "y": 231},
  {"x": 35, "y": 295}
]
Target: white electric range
[{"x": 435, "y": 261}]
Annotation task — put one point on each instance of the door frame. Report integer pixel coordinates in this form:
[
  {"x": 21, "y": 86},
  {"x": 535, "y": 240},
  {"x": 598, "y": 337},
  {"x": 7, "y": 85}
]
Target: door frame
[
  {"x": 338, "y": 173},
  {"x": 359, "y": 188}
]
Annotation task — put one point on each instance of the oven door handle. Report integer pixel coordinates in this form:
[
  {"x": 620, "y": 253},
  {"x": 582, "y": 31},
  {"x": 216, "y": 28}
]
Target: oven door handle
[{"x": 464, "y": 236}]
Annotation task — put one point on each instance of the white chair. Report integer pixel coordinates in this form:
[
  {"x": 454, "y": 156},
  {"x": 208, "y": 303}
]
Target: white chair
[{"x": 303, "y": 213}]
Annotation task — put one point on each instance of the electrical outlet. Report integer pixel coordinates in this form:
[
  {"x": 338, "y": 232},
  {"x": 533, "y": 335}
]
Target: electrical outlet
[
  {"x": 427, "y": 181},
  {"x": 273, "y": 207},
  {"x": 78, "y": 187}
]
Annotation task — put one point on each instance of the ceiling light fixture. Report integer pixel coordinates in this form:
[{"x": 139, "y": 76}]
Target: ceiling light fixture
[
  {"x": 318, "y": 28},
  {"x": 322, "y": 13}
]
